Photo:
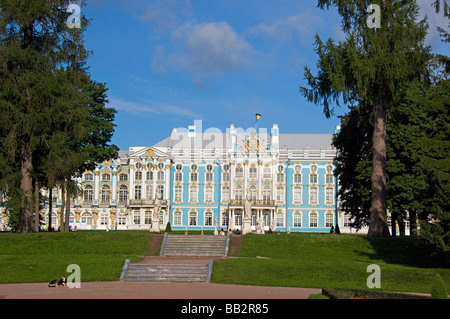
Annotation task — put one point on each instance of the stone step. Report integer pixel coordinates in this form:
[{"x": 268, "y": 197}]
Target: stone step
[
  {"x": 194, "y": 245},
  {"x": 167, "y": 273}
]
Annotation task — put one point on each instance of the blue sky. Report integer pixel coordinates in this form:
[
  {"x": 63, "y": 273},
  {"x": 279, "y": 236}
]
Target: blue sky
[{"x": 170, "y": 62}]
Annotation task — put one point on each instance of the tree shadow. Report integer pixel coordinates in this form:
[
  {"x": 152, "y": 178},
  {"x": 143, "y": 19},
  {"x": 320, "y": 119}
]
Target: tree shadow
[{"x": 407, "y": 251}]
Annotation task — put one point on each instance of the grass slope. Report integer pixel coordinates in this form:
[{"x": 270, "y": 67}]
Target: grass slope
[
  {"x": 327, "y": 260},
  {"x": 42, "y": 257}
]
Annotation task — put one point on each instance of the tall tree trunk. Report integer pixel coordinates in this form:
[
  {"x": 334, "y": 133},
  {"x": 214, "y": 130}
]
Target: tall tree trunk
[
  {"x": 50, "y": 206},
  {"x": 67, "y": 215},
  {"x": 36, "y": 206},
  {"x": 26, "y": 186},
  {"x": 378, "y": 226},
  {"x": 412, "y": 223},
  {"x": 63, "y": 204}
]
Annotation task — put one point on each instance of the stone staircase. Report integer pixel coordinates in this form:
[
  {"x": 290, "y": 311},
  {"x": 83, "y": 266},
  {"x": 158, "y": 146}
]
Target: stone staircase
[
  {"x": 186, "y": 265},
  {"x": 198, "y": 246},
  {"x": 168, "y": 273}
]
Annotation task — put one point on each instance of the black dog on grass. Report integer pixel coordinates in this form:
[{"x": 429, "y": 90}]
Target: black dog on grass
[{"x": 59, "y": 283}]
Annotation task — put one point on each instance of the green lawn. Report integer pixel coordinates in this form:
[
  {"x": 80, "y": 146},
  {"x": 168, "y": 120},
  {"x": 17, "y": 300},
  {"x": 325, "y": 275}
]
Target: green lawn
[
  {"x": 42, "y": 257},
  {"x": 279, "y": 259},
  {"x": 327, "y": 260}
]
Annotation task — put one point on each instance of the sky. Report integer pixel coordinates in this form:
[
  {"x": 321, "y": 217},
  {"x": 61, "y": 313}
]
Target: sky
[{"x": 168, "y": 63}]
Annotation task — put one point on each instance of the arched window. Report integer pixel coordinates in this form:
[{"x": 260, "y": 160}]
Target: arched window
[
  {"x": 253, "y": 192},
  {"x": 208, "y": 219},
  {"x": 313, "y": 219},
  {"x": 123, "y": 193},
  {"x": 105, "y": 194},
  {"x": 192, "y": 218},
  {"x": 266, "y": 193},
  {"x": 238, "y": 193},
  {"x": 88, "y": 195}
]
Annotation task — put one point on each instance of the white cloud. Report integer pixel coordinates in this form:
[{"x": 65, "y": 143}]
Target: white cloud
[
  {"x": 298, "y": 27},
  {"x": 209, "y": 48},
  {"x": 152, "y": 107}
]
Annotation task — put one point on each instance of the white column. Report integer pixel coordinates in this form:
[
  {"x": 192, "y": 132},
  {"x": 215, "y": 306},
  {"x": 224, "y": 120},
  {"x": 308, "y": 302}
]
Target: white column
[
  {"x": 96, "y": 183},
  {"x": 131, "y": 190},
  {"x": 114, "y": 186}
]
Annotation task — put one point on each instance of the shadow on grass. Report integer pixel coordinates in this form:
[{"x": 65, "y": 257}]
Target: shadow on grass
[{"x": 407, "y": 251}]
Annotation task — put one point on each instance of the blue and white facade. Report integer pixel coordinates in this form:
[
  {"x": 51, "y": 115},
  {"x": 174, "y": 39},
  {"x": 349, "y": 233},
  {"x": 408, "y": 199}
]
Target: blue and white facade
[{"x": 204, "y": 177}]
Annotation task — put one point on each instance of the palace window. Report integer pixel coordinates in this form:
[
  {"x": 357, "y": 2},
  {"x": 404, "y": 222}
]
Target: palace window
[
  {"x": 267, "y": 172},
  {"x": 226, "y": 177},
  {"x": 149, "y": 175},
  {"x": 178, "y": 194},
  {"x": 280, "y": 194},
  {"x": 238, "y": 193},
  {"x": 149, "y": 191},
  {"x": 253, "y": 192},
  {"x": 123, "y": 177},
  {"x": 138, "y": 165},
  {"x": 253, "y": 172},
  {"x": 297, "y": 219},
  {"x": 297, "y": 195},
  {"x": 105, "y": 192},
  {"x": 225, "y": 193},
  {"x": 137, "y": 192},
  {"x": 313, "y": 175},
  {"x": 194, "y": 177},
  {"x": 160, "y": 176},
  {"x": 266, "y": 193},
  {"x": 160, "y": 166},
  {"x": 328, "y": 219},
  {"x": 192, "y": 218},
  {"x": 147, "y": 217},
  {"x": 88, "y": 193},
  {"x": 177, "y": 218},
  {"x": 160, "y": 190},
  {"x": 313, "y": 195},
  {"x": 313, "y": 219},
  {"x": 329, "y": 198},
  {"x": 208, "y": 177},
  {"x": 88, "y": 177},
  {"x": 280, "y": 178},
  {"x": 138, "y": 176},
  {"x": 208, "y": 219},
  {"x": 123, "y": 193},
  {"x": 104, "y": 219},
  {"x": 280, "y": 219},
  {"x": 85, "y": 218},
  {"x": 106, "y": 177},
  {"x": 178, "y": 177},
  {"x": 121, "y": 219},
  {"x": 208, "y": 194},
  {"x": 239, "y": 172},
  {"x": 225, "y": 219},
  {"x": 136, "y": 217},
  {"x": 193, "y": 194}
]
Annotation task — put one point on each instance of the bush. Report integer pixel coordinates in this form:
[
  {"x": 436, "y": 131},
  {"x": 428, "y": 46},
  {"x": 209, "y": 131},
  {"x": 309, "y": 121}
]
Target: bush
[
  {"x": 168, "y": 227},
  {"x": 341, "y": 293},
  {"x": 438, "y": 289}
]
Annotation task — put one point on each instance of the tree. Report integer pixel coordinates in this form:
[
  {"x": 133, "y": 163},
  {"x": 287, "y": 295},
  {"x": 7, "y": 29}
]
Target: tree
[
  {"x": 366, "y": 70},
  {"x": 51, "y": 109}
]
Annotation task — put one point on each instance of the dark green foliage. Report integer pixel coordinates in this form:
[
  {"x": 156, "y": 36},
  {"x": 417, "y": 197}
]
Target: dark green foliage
[
  {"x": 341, "y": 293},
  {"x": 54, "y": 121}
]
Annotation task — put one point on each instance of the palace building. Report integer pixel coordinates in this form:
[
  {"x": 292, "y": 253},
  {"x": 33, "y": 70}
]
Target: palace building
[{"x": 204, "y": 178}]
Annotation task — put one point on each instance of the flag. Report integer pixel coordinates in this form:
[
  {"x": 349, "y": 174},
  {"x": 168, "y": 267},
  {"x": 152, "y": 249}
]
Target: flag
[{"x": 258, "y": 116}]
